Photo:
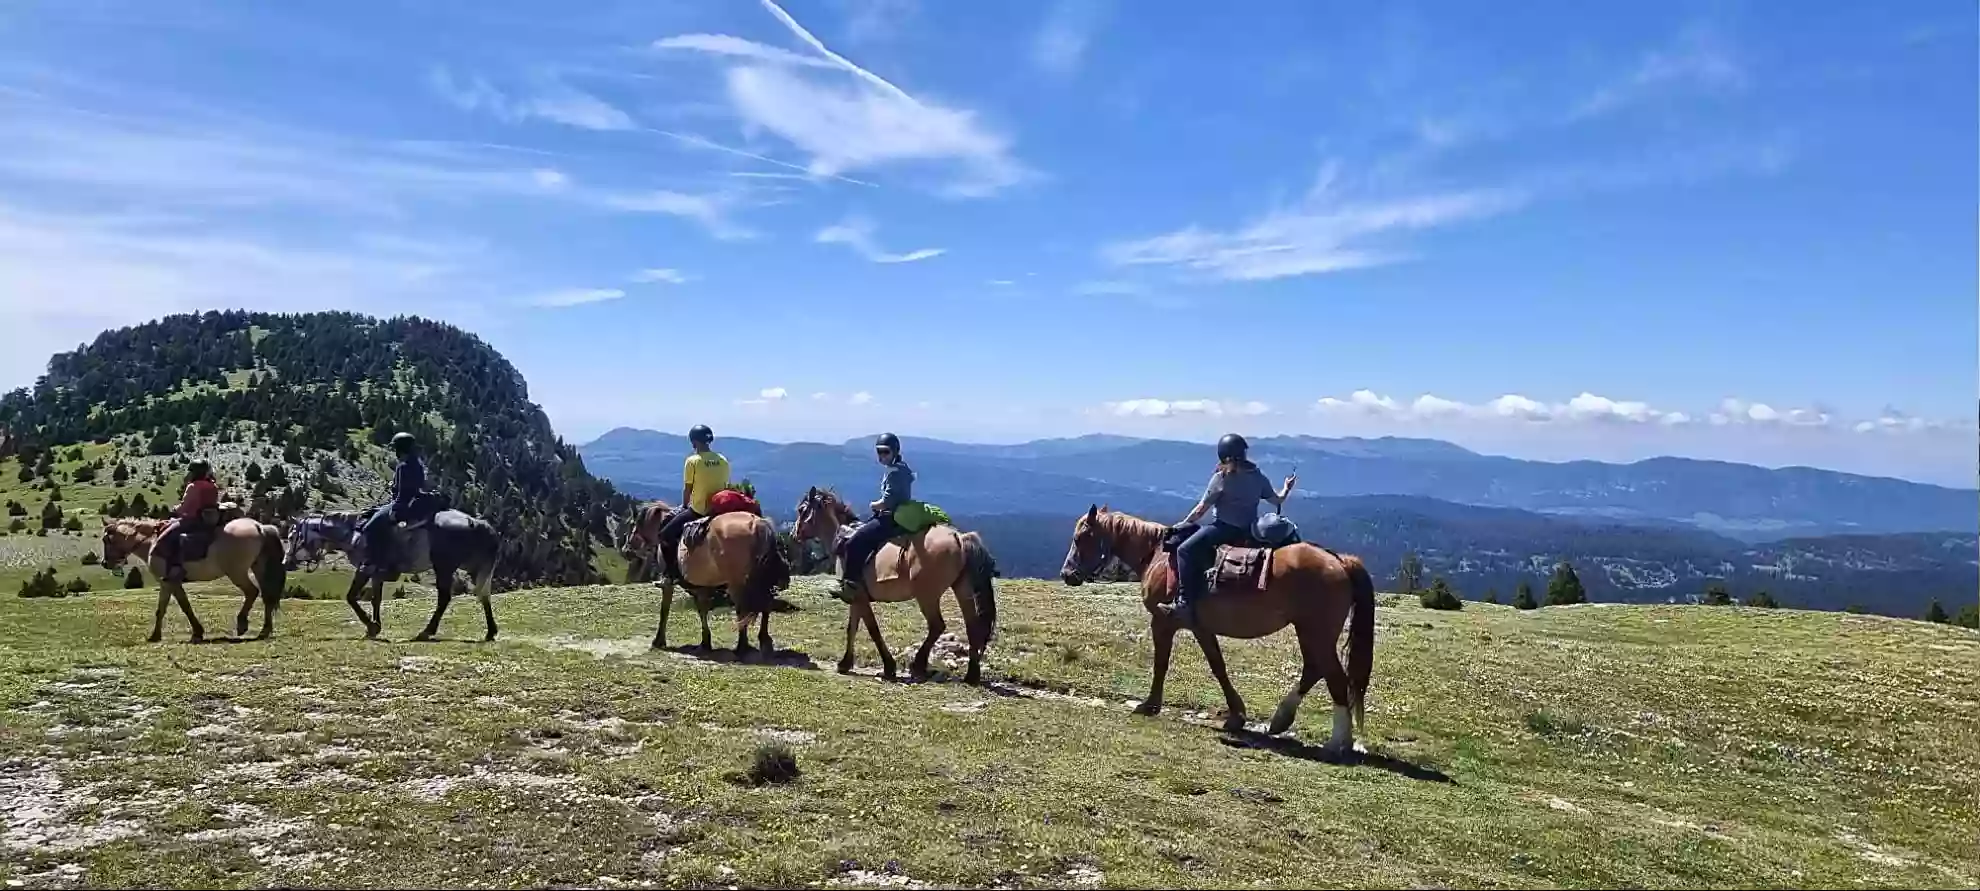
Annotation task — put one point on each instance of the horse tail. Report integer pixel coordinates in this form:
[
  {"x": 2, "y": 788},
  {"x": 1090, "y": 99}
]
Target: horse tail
[
  {"x": 274, "y": 575},
  {"x": 488, "y": 544},
  {"x": 769, "y": 573},
  {"x": 1361, "y": 637},
  {"x": 980, "y": 568}
]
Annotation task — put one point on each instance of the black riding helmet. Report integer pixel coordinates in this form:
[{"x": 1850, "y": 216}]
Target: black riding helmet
[
  {"x": 403, "y": 442},
  {"x": 1231, "y": 447},
  {"x": 699, "y": 434},
  {"x": 888, "y": 441},
  {"x": 199, "y": 470}
]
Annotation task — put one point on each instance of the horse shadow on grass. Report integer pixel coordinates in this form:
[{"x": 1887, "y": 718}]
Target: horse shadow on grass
[
  {"x": 1293, "y": 748},
  {"x": 783, "y": 657}
]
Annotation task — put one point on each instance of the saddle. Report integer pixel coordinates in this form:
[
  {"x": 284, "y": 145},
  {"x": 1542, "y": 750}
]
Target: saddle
[
  {"x": 882, "y": 572},
  {"x": 1244, "y": 566},
  {"x": 196, "y": 539}
]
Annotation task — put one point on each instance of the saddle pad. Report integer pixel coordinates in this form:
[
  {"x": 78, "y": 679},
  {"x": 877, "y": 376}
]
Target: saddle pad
[
  {"x": 889, "y": 570},
  {"x": 1240, "y": 568},
  {"x": 693, "y": 534}
]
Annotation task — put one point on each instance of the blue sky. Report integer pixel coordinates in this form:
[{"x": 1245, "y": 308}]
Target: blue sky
[{"x": 1555, "y": 230}]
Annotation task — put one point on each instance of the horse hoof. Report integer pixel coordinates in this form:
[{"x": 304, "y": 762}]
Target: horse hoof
[
  {"x": 198, "y": 638},
  {"x": 974, "y": 678},
  {"x": 1234, "y": 723},
  {"x": 154, "y": 638},
  {"x": 657, "y": 644},
  {"x": 845, "y": 665},
  {"x": 488, "y": 638},
  {"x": 1148, "y": 708},
  {"x": 371, "y": 632},
  {"x": 423, "y": 637},
  {"x": 264, "y": 635},
  {"x": 240, "y": 627}
]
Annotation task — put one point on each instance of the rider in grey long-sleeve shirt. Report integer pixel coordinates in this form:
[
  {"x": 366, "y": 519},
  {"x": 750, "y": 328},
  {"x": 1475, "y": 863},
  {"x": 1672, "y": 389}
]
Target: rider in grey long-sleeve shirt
[{"x": 896, "y": 489}]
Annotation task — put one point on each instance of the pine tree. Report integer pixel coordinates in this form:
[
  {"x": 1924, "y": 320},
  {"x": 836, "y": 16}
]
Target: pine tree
[
  {"x": 1491, "y": 595},
  {"x": 51, "y": 516},
  {"x": 1410, "y": 574},
  {"x": 1761, "y": 600},
  {"x": 134, "y": 578},
  {"x": 138, "y": 506},
  {"x": 292, "y": 454},
  {"x": 1716, "y": 595},
  {"x": 253, "y": 473},
  {"x": 122, "y": 474},
  {"x": 1969, "y": 616},
  {"x": 117, "y": 507},
  {"x": 1523, "y": 596},
  {"x": 1565, "y": 587},
  {"x": 1937, "y": 613}
]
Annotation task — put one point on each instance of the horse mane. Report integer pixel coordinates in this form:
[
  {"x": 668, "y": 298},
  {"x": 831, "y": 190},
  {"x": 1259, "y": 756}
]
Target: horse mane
[{"x": 1127, "y": 529}]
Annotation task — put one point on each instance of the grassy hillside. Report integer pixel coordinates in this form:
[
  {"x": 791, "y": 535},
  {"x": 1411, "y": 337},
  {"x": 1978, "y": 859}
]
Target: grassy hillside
[
  {"x": 320, "y": 393},
  {"x": 1567, "y": 747}
]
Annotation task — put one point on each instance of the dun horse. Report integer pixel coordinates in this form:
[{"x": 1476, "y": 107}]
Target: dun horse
[
  {"x": 1308, "y": 587},
  {"x": 917, "y": 567},
  {"x": 737, "y": 556},
  {"x": 245, "y": 552}
]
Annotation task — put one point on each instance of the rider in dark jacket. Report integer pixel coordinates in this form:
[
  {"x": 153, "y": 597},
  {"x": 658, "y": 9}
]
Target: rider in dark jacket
[
  {"x": 896, "y": 489},
  {"x": 408, "y": 487}
]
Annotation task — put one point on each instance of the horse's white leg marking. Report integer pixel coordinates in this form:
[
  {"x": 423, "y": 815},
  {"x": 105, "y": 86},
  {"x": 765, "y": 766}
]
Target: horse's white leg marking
[{"x": 1343, "y": 738}]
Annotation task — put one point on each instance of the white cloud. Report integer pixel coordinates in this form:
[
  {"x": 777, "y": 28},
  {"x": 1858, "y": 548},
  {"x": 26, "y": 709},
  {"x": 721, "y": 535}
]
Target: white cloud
[
  {"x": 668, "y": 276},
  {"x": 1001, "y": 282},
  {"x": 1060, "y": 44},
  {"x": 774, "y": 394},
  {"x": 549, "y": 178},
  {"x": 710, "y": 210},
  {"x": 1169, "y": 408},
  {"x": 1585, "y": 408},
  {"x": 576, "y": 297},
  {"x": 1322, "y": 234},
  {"x": 553, "y": 101},
  {"x": 1735, "y": 411},
  {"x": 820, "y": 396},
  {"x": 856, "y": 119},
  {"x": 861, "y": 398},
  {"x": 857, "y": 234}
]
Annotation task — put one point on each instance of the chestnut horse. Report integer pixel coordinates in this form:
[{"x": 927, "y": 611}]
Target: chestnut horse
[
  {"x": 1310, "y": 588},
  {"x": 243, "y": 551},
  {"x": 740, "y": 558},
  {"x": 921, "y": 566}
]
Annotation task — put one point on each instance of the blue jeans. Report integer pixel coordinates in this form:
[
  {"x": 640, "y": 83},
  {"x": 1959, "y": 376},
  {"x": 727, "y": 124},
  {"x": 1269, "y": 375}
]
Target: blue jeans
[
  {"x": 866, "y": 541},
  {"x": 1194, "y": 555}
]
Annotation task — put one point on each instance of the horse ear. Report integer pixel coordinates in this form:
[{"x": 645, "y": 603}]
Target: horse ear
[{"x": 1092, "y": 512}]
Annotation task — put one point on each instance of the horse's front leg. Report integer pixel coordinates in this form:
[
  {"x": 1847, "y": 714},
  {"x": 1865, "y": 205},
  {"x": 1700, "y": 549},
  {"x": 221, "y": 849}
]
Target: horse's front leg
[
  {"x": 666, "y": 606},
  {"x": 351, "y": 597},
  {"x": 377, "y": 608},
  {"x": 763, "y": 636},
  {"x": 1163, "y": 631},
  {"x": 1213, "y": 653}
]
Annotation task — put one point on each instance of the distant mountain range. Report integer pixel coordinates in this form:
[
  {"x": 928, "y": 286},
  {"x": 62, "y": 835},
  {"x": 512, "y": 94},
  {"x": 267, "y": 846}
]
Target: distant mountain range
[{"x": 1652, "y": 530}]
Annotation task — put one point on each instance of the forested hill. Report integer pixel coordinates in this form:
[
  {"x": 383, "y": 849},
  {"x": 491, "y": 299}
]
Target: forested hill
[{"x": 340, "y": 384}]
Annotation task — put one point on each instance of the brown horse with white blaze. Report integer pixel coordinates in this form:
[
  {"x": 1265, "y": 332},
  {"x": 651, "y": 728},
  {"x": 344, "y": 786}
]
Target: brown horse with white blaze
[
  {"x": 1313, "y": 589},
  {"x": 917, "y": 567}
]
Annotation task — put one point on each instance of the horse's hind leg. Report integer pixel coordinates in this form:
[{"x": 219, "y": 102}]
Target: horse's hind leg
[
  {"x": 185, "y": 606},
  {"x": 763, "y": 636},
  {"x": 973, "y": 626},
  {"x": 701, "y": 607},
  {"x": 250, "y": 593},
  {"x": 1317, "y": 659},
  {"x": 931, "y": 609},
  {"x": 377, "y": 608},
  {"x": 1213, "y": 653},
  {"x": 443, "y": 586}
]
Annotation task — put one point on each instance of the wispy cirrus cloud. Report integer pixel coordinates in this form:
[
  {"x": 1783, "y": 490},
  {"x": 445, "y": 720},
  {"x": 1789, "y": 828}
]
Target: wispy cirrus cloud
[
  {"x": 1701, "y": 58},
  {"x": 660, "y": 275},
  {"x": 844, "y": 117},
  {"x": 857, "y": 233},
  {"x": 1059, "y": 45},
  {"x": 1322, "y": 234},
  {"x": 575, "y": 297},
  {"x": 549, "y": 99}
]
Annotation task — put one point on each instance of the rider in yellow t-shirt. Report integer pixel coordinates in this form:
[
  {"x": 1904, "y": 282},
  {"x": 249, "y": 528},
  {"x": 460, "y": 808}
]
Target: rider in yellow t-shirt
[{"x": 704, "y": 474}]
